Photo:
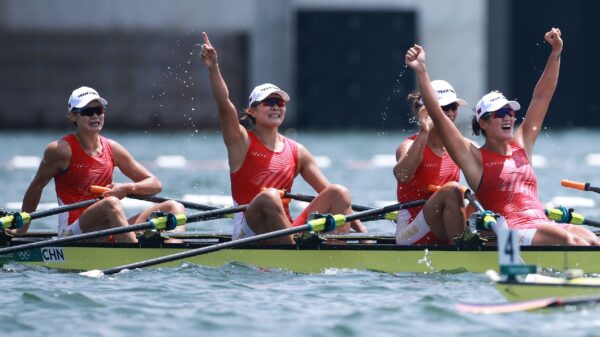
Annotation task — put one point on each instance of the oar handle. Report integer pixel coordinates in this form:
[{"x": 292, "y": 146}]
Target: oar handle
[
  {"x": 579, "y": 185},
  {"x": 435, "y": 188},
  {"x": 575, "y": 184}
]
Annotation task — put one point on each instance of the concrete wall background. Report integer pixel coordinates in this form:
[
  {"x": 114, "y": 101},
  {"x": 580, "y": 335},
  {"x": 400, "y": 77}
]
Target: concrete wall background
[{"x": 453, "y": 33}]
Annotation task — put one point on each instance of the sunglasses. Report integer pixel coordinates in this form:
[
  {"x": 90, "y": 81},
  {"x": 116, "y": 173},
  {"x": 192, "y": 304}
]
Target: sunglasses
[
  {"x": 452, "y": 106},
  {"x": 89, "y": 112},
  {"x": 271, "y": 101},
  {"x": 500, "y": 113}
]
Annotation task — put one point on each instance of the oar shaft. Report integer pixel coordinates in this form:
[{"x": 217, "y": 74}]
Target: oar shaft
[
  {"x": 153, "y": 198},
  {"x": 216, "y": 213},
  {"x": 74, "y": 238},
  {"x": 208, "y": 249},
  {"x": 186, "y": 204},
  {"x": 310, "y": 198},
  {"x": 16, "y": 220},
  {"x": 61, "y": 209},
  {"x": 256, "y": 238},
  {"x": 474, "y": 202}
]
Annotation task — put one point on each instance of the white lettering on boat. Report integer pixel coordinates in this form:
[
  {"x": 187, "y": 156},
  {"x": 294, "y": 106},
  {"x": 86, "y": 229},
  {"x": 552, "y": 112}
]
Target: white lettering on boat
[
  {"x": 52, "y": 254},
  {"x": 409, "y": 232}
]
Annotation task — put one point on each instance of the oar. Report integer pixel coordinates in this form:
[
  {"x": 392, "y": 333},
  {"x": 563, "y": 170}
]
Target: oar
[
  {"x": 167, "y": 222},
  {"x": 163, "y": 222},
  {"x": 543, "y": 303},
  {"x": 579, "y": 186},
  {"x": 18, "y": 219},
  {"x": 327, "y": 223},
  {"x": 309, "y": 198},
  {"x": 564, "y": 215},
  {"x": 153, "y": 198}
]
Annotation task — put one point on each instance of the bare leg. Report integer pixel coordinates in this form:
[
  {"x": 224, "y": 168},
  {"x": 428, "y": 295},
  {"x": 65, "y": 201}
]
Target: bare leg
[
  {"x": 266, "y": 214},
  {"x": 106, "y": 213},
  {"x": 335, "y": 199},
  {"x": 445, "y": 212},
  {"x": 554, "y": 235}
]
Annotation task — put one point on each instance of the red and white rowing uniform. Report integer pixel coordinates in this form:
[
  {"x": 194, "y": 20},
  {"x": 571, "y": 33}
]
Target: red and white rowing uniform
[
  {"x": 411, "y": 228},
  {"x": 263, "y": 168},
  {"x": 73, "y": 185},
  {"x": 509, "y": 187}
]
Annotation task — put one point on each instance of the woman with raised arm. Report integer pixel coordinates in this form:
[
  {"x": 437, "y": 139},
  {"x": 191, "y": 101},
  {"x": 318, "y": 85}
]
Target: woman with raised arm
[
  {"x": 500, "y": 171},
  {"x": 262, "y": 161},
  {"x": 422, "y": 160}
]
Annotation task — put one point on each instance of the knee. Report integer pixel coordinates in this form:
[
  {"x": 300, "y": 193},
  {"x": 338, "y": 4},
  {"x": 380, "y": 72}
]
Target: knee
[
  {"x": 453, "y": 191},
  {"x": 270, "y": 196},
  {"x": 171, "y": 206},
  {"x": 112, "y": 204},
  {"x": 338, "y": 192}
]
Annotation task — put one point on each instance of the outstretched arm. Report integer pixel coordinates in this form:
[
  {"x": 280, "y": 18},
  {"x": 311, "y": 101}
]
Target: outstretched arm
[
  {"x": 529, "y": 130},
  {"x": 462, "y": 151},
  {"x": 235, "y": 135}
]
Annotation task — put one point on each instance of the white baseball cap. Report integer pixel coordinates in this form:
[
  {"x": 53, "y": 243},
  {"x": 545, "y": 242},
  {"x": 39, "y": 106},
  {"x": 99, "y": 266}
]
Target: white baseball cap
[
  {"x": 445, "y": 93},
  {"x": 264, "y": 90},
  {"x": 493, "y": 101},
  {"x": 82, "y": 96}
]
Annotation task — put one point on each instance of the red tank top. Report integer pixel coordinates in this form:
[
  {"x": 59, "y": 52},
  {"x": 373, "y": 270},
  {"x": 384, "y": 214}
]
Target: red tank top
[
  {"x": 73, "y": 185},
  {"x": 434, "y": 170},
  {"x": 509, "y": 187},
  {"x": 263, "y": 168}
]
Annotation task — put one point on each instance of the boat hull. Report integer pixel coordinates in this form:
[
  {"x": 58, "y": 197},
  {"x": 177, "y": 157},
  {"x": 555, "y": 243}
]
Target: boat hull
[
  {"x": 536, "y": 286},
  {"x": 313, "y": 259}
]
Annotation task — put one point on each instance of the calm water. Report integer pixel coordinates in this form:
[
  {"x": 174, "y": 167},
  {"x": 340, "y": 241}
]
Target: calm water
[{"x": 236, "y": 300}]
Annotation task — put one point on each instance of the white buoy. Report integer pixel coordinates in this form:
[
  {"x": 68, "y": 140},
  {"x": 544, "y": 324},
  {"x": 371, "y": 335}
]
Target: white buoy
[
  {"x": 24, "y": 162},
  {"x": 539, "y": 161},
  {"x": 568, "y": 201},
  {"x": 593, "y": 159},
  {"x": 171, "y": 162},
  {"x": 383, "y": 160},
  {"x": 322, "y": 161},
  {"x": 209, "y": 199}
]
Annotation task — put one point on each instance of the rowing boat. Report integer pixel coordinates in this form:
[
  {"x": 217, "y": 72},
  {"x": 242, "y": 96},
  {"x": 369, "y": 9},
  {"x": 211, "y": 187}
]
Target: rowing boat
[
  {"x": 535, "y": 286},
  {"x": 360, "y": 252},
  {"x": 526, "y": 289}
]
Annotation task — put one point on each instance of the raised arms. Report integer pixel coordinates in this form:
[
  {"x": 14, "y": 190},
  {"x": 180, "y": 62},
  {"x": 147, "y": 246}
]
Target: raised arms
[
  {"x": 235, "y": 135},
  {"x": 529, "y": 130},
  {"x": 462, "y": 151}
]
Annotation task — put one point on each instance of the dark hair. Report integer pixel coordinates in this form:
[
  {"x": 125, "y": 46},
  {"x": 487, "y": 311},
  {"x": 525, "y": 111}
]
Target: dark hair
[
  {"x": 477, "y": 130},
  {"x": 246, "y": 120},
  {"x": 415, "y": 101}
]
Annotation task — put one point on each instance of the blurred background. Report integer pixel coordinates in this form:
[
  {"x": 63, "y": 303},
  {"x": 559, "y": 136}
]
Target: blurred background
[{"x": 342, "y": 61}]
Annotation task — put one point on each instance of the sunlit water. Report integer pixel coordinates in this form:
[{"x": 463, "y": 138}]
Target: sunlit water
[{"x": 236, "y": 300}]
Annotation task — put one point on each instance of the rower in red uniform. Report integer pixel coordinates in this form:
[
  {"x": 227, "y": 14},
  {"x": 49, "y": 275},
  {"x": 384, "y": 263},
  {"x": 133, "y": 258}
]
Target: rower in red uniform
[
  {"x": 422, "y": 160},
  {"x": 500, "y": 171},
  {"x": 262, "y": 161},
  {"x": 85, "y": 158}
]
